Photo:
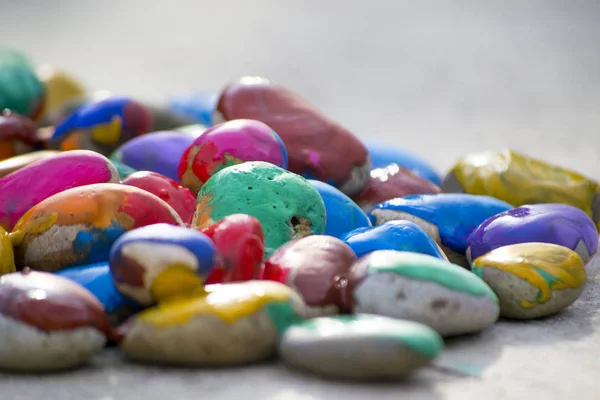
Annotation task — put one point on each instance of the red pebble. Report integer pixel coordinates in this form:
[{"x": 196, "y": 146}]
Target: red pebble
[
  {"x": 240, "y": 245},
  {"x": 176, "y": 195}
]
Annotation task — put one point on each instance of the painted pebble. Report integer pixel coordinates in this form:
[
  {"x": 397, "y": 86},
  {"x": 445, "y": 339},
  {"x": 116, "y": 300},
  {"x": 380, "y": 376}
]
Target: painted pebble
[
  {"x": 48, "y": 323},
  {"x": 174, "y": 194},
  {"x": 391, "y": 182},
  {"x": 102, "y": 126},
  {"x": 97, "y": 279},
  {"x": 360, "y": 346},
  {"x": 236, "y": 323},
  {"x": 393, "y": 235},
  {"x": 314, "y": 142},
  {"x": 198, "y": 105},
  {"x": 448, "y": 219},
  {"x": 316, "y": 267},
  {"x": 157, "y": 152},
  {"x": 532, "y": 280},
  {"x": 20, "y": 88},
  {"x": 546, "y": 223},
  {"x": 504, "y": 174},
  {"x": 227, "y": 144},
  {"x": 79, "y": 225},
  {"x": 287, "y": 206},
  {"x": 60, "y": 88},
  {"x": 424, "y": 289},
  {"x": 24, "y": 188},
  {"x": 240, "y": 245},
  {"x": 160, "y": 261},
  {"x": 18, "y": 135},
  {"x": 342, "y": 214},
  {"x": 383, "y": 154},
  {"x": 12, "y": 164}
]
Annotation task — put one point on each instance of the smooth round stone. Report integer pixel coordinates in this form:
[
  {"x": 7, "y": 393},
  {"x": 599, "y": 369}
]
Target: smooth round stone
[
  {"x": 360, "y": 346},
  {"x": 173, "y": 193},
  {"x": 30, "y": 185},
  {"x": 61, "y": 88},
  {"x": 97, "y": 279},
  {"x": 448, "y": 218},
  {"x": 342, "y": 214},
  {"x": 390, "y": 182},
  {"x": 20, "y": 88},
  {"x": 318, "y": 147},
  {"x": 235, "y": 323},
  {"x": 156, "y": 262},
  {"x": 383, "y": 154},
  {"x": 393, "y": 235},
  {"x": 545, "y": 223},
  {"x": 240, "y": 244},
  {"x": 157, "y": 152},
  {"x": 18, "y": 135},
  {"x": 421, "y": 288},
  {"x": 198, "y": 105},
  {"x": 12, "y": 164},
  {"x": 532, "y": 280},
  {"x": 287, "y": 205},
  {"x": 503, "y": 175},
  {"x": 102, "y": 125},
  {"x": 78, "y": 226},
  {"x": 48, "y": 323},
  {"x": 228, "y": 144},
  {"x": 315, "y": 267}
]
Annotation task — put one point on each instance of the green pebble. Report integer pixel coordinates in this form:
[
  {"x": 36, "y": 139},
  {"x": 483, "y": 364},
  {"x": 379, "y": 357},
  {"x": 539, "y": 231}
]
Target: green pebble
[
  {"x": 123, "y": 169},
  {"x": 20, "y": 88}
]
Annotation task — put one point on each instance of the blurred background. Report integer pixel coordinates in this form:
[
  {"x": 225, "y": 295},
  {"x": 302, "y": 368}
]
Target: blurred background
[{"x": 441, "y": 78}]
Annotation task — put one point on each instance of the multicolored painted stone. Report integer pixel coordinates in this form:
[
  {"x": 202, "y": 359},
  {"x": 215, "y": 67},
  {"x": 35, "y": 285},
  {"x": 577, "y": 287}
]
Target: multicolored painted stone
[
  {"x": 60, "y": 88},
  {"x": 287, "y": 205},
  {"x": 177, "y": 196},
  {"x": 424, "y": 289},
  {"x": 198, "y": 105},
  {"x": 315, "y": 143},
  {"x": 78, "y": 226},
  {"x": 359, "y": 346},
  {"x": 48, "y": 323},
  {"x": 12, "y": 164},
  {"x": 532, "y": 280},
  {"x": 383, "y": 154},
  {"x": 236, "y": 323},
  {"x": 240, "y": 244},
  {"x": 97, "y": 279},
  {"x": 228, "y": 144},
  {"x": 157, "y": 262},
  {"x": 390, "y": 182},
  {"x": 28, "y": 186},
  {"x": 18, "y": 134},
  {"x": 342, "y": 214},
  {"x": 546, "y": 223},
  {"x": 7, "y": 254},
  {"x": 157, "y": 152},
  {"x": 393, "y": 235},
  {"x": 102, "y": 126},
  {"x": 504, "y": 174},
  {"x": 72, "y": 105},
  {"x": 20, "y": 89},
  {"x": 165, "y": 119},
  {"x": 315, "y": 267},
  {"x": 447, "y": 218}
]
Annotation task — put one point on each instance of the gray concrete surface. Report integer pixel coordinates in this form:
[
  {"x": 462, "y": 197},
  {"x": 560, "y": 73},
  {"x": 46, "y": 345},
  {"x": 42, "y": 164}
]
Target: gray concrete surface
[{"x": 441, "y": 78}]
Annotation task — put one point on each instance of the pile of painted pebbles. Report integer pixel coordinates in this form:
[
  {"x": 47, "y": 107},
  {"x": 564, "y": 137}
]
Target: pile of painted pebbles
[{"x": 231, "y": 227}]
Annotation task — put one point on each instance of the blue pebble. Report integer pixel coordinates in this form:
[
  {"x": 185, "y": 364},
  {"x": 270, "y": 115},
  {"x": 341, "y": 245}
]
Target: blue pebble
[
  {"x": 342, "y": 214},
  {"x": 199, "y": 105},
  {"x": 393, "y": 235}
]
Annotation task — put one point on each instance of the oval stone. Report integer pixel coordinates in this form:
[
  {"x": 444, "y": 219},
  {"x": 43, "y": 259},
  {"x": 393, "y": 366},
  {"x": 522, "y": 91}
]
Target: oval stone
[
  {"x": 359, "y": 346},
  {"x": 393, "y": 235},
  {"x": 315, "y": 143},
  {"x": 48, "y": 323},
  {"x": 160, "y": 261},
  {"x": 545, "y": 223},
  {"x": 421, "y": 288},
  {"x": 198, "y": 105},
  {"x": 316, "y": 267},
  {"x": 18, "y": 135},
  {"x": 20, "y": 88},
  {"x": 235, "y": 323},
  {"x": 12, "y": 164},
  {"x": 447, "y": 218},
  {"x": 287, "y": 205},
  {"x": 342, "y": 214},
  {"x": 61, "y": 88},
  {"x": 532, "y": 280}
]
